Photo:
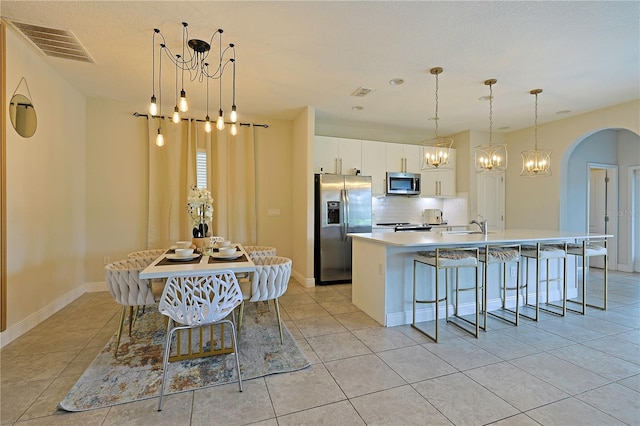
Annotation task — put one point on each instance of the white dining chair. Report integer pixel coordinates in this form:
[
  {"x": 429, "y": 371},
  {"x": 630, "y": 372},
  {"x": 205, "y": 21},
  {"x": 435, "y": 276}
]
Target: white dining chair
[
  {"x": 193, "y": 300},
  {"x": 155, "y": 253},
  {"x": 269, "y": 281},
  {"x": 126, "y": 287},
  {"x": 255, "y": 252}
]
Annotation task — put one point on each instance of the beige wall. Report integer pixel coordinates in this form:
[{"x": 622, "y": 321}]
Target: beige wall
[{"x": 46, "y": 190}]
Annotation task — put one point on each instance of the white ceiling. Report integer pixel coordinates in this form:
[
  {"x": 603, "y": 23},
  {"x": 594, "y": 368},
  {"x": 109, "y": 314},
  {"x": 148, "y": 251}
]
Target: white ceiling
[{"x": 584, "y": 55}]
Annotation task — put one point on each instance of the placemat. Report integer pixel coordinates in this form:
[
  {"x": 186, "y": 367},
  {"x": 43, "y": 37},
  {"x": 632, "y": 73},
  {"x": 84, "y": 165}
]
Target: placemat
[
  {"x": 166, "y": 261},
  {"x": 242, "y": 258}
]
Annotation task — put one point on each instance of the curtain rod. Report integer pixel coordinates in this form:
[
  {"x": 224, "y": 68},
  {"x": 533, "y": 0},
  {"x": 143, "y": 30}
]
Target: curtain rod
[{"x": 137, "y": 114}]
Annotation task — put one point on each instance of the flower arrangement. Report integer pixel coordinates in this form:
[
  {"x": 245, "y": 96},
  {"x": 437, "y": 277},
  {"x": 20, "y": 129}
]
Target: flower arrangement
[{"x": 200, "y": 208}]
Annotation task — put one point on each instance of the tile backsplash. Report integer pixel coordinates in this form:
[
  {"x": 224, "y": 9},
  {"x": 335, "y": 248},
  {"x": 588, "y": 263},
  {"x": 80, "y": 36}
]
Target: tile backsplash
[{"x": 397, "y": 209}]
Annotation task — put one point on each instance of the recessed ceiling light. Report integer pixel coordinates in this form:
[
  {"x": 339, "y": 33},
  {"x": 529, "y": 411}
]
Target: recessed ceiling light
[
  {"x": 396, "y": 82},
  {"x": 564, "y": 111},
  {"x": 357, "y": 108}
]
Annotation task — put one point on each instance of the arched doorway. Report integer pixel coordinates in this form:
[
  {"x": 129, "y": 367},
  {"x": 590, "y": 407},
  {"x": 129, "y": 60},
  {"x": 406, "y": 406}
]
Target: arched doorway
[{"x": 616, "y": 151}]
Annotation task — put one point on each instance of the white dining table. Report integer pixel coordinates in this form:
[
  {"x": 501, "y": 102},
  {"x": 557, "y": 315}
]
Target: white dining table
[{"x": 163, "y": 267}]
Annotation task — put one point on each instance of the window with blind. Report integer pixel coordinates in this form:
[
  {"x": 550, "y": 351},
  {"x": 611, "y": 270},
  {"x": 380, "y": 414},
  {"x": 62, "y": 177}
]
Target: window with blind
[{"x": 201, "y": 168}]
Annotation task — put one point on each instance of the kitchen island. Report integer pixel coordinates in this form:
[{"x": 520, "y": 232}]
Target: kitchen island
[{"x": 382, "y": 268}]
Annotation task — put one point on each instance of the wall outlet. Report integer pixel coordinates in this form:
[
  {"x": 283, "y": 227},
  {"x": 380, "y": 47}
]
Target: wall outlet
[
  {"x": 513, "y": 271},
  {"x": 107, "y": 260}
]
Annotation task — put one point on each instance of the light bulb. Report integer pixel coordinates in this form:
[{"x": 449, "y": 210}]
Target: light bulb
[
  {"x": 234, "y": 129},
  {"x": 207, "y": 125},
  {"x": 234, "y": 115},
  {"x": 153, "y": 107},
  {"x": 176, "y": 115},
  {"x": 220, "y": 122},
  {"x": 159, "y": 138},
  {"x": 184, "y": 106}
]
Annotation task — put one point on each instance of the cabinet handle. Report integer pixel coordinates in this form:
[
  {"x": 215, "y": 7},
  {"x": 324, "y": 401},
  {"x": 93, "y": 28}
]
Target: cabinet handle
[
  {"x": 340, "y": 165},
  {"x": 335, "y": 165}
]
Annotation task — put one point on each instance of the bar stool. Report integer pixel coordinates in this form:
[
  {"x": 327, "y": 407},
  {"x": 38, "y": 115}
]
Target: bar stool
[
  {"x": 445, "y": 259},
  {"x": 545, "y": 252},
  {"x": 501, "y": 255},
  {"x": 586, "y": 249}
]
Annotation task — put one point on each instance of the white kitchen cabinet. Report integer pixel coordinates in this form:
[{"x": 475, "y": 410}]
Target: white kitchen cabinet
[
  {"x": 440, "y": 183},
  {"x": 374, "y": 164},
  {"x": 403, "y": 158},
  {"x": 337, "y": 155}
]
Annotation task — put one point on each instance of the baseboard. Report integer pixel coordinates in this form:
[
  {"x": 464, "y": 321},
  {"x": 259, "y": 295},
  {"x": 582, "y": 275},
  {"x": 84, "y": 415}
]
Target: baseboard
[{"x": 304, "y": 281}]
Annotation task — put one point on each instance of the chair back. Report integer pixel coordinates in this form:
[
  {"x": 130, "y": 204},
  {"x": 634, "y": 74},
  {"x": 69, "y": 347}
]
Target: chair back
[
  {"x": 256, "y": 252},
  {"x": 124, "y": 283},
  {"x": 147, "y": 253},
  {"x": 271, "y": 278},
  {"x": 194, "y": 299}
]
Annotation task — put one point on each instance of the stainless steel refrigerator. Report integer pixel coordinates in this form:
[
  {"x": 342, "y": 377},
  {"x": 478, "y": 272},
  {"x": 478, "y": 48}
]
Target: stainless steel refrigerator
[{"x": 342, "y": 206}]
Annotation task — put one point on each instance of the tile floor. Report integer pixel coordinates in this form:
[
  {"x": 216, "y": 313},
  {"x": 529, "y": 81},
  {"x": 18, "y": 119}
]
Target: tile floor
[{"x": 576, "y": 370}]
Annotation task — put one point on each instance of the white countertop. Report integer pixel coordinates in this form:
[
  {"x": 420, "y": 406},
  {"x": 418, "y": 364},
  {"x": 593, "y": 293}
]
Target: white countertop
[{"x": 438, "y": 238}]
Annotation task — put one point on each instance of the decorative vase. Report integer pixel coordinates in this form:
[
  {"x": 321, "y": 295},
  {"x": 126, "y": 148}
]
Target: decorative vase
[{"x": 200, "y": 243}]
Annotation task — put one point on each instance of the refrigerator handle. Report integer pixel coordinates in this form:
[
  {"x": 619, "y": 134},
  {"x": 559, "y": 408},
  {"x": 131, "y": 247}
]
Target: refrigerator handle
[{"x": 346, "y": 210}]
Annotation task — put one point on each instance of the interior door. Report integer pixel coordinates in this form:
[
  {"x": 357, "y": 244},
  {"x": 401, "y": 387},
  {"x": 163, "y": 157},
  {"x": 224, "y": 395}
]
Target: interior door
[
  {"x": 602, "y": 206},
  {"x": 491, "y": 200}
]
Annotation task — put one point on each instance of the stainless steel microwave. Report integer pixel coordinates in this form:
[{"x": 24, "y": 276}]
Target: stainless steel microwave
[{"x": 403, "y": 183}]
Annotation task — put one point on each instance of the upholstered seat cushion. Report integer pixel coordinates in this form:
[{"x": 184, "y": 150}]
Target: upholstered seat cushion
[
  {"x": 499, "y": 255},
  {"x": 546, "y": 252},
  {"x": 590, "y": 250},
  {"x": 447, "y": 258}
]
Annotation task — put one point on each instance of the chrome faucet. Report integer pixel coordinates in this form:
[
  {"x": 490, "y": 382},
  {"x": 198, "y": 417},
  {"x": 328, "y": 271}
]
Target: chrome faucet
[{"x": 482, "y": 224}]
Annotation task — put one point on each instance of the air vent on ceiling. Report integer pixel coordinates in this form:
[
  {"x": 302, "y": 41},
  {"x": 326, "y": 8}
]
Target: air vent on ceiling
[
  {"x": 54, "y": 42},
  {"x": 361, "y": 91}
]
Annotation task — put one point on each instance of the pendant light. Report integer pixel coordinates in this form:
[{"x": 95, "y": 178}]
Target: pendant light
[
  {"x": 436, "y": 152},
  {"x": 159, "y": 137},
  {"x": 184, "y": 106},
  {"x": 153, "y": 106},
  {"x": 207, "y": 120},
  {"x": 536, "y": 162},
  {"x": 491, "y": 158},
  {"x": 176, "y": 112},
  {"x": 220, "y": 121}
]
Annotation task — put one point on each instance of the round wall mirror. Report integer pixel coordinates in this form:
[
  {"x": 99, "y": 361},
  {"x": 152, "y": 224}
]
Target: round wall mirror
[{"x": 23, "y": 115}]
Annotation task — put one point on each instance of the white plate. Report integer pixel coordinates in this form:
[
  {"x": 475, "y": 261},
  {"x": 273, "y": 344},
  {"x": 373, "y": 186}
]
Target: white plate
[
  {"x": 183, "y": 258},
  {"x": 227, "y": 256}
]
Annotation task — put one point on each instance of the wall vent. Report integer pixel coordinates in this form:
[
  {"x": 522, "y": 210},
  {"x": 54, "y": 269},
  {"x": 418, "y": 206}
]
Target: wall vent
[
  {"x": 54, "y": 42},
  {"x": 361, "y": 91}
]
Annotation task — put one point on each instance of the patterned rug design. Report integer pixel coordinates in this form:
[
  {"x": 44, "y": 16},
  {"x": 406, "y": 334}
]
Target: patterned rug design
[{"x": 137, "y": 372}]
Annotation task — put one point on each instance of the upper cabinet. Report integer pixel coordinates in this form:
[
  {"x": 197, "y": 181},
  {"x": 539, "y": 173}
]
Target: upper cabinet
[
  {"x": 345, "y": 156},
  {"x": 374, "y": 164},
  {"x": 440, "y": 183},
  {"x": 337, "y": 155},
  {"x": 403, "y": 158}
]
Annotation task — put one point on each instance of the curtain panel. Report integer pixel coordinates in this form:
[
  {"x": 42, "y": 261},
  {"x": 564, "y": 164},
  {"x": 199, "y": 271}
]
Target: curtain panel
[{"x": 172, "y": 172}]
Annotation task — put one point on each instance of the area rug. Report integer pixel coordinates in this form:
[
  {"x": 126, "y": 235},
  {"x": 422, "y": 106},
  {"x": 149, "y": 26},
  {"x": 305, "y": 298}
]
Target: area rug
[{"x": 137, "y": 372}]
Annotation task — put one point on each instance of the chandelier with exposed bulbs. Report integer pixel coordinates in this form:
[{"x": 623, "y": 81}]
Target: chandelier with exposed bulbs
[{"x": 194, "y": 60}]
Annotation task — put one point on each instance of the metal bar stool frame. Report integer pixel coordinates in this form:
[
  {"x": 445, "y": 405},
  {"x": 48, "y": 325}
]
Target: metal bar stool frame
[
  {"x": 553, "y": 252},
  {"x": 487, "y": 257},
  {"x": 438, "y": 262},
  {"x": 589, "y": 247}
]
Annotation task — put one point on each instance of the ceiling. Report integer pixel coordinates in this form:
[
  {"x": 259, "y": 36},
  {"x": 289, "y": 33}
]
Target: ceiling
[{"x": 584, "y": 55}]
